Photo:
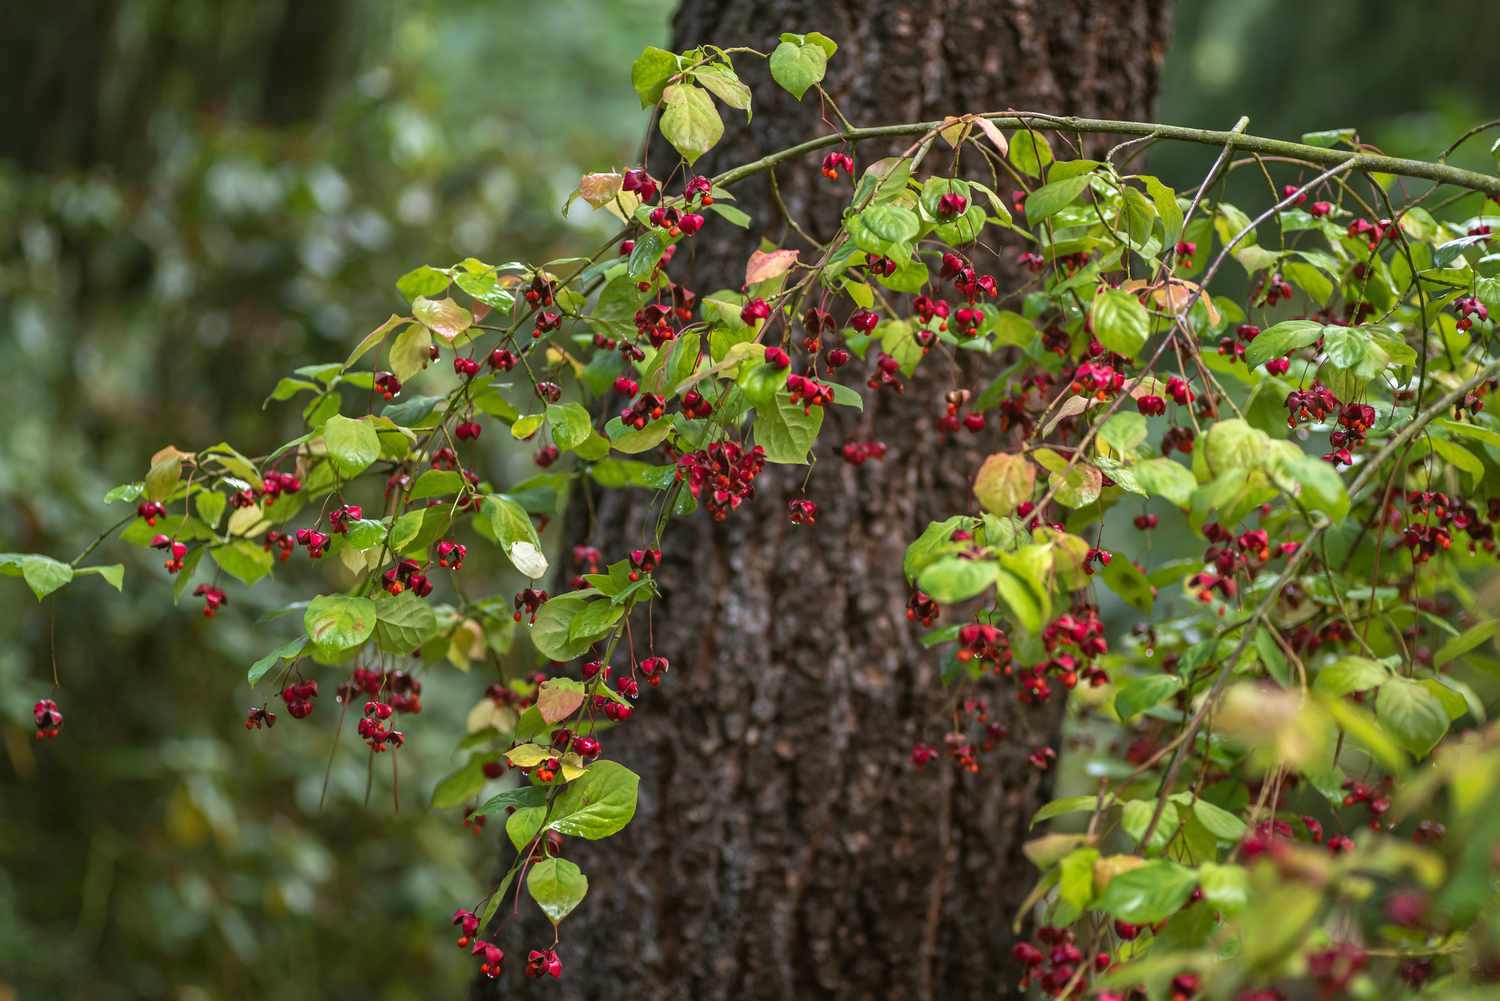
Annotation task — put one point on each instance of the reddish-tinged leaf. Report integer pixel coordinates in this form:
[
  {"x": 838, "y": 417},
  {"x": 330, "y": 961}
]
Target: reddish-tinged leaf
[
  {"x": 992, "y": 131},
  {"x": 764, "y": 265},
  {"x": 600, "y": 189},
  {"x": 558, "y": 699}
]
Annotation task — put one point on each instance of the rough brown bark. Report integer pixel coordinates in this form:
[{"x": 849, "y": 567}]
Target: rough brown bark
[{"x": 783, "y": 848}]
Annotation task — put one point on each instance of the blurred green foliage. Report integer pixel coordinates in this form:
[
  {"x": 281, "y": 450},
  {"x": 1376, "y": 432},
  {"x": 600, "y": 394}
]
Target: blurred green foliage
[
  {"x": 196, "y": 197},
  {"x": 1406, "y": 75}
]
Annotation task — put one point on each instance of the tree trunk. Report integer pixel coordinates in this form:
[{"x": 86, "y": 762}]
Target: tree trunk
[{"x": 784, "y": 848}]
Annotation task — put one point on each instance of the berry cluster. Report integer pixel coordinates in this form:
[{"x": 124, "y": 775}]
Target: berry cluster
[
  {"x": 722, "y": 475},
  {"x": 48, "y": 719},
  {"x": 298, "y": 697}
]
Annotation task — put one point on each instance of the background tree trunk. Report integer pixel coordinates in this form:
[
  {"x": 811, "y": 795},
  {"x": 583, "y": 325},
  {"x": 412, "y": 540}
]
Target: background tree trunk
[{"x": 783, "y": 847}]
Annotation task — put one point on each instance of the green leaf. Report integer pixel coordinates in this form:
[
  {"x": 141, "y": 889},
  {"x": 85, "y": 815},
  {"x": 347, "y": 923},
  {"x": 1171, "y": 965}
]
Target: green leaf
[
  {"x": 127, "y": 492},
  {"x": 1310, "y": 279},
  {"x": 953, "y": 578},
  {"x": 1139, "y": 694},
  {"x": 1272, "y": 658},
  {"x": 1455, "y": 703},
  {"x": 690, "y": 122},
  {"x": 1021, "y": 581},
  {"x": 287, "y": 387},
  {"x": 934, "y": 542},
  {"x": 42, "y": 574},
  {"x": 523, "y": 826},
  {"x": 1483, "y": 434},
  {"x": 162, "y": 477},
  {"x": 1029, "y": 152},
  {"x": 210, "y": 506},
  {"x": 408, "y": 413},
  {"x": 421, "y": 282},
  {"x": 1459, "y": 458},
  {"x": 900, "y": 342},
  {"x": 1165, "y": 200},
  {"x": 1412, "y": 714},
  {"x": 1120, "y": 322},
  {"x": 486, "y": 288},
  {"x": 828, "y": 45},
  {"x": 113, "y": 573},
  {"x": 1468, "y": 640},
  {"x": 1004, "y": 482},
  {"x": 682, "y": 362},
  {"x": 632, "y": 441},
  {"x": 409, "y": 352},
  {"x": 1353, "y": 348},
  {"x": 339, "y": 622},
  {"x": 1280, "y": 923},
  {"x": 352, "y": 445},
  {"x": 1361, "y": 726},
  {"x": 408, "y": 528},
  {"x": 785, "y": 431},
  {"x": 1232, "y": 444},
  {"x": 650, "y": 72},
  {"x": 725, "y": 85},
  {"x": 1122, "y": 577},
  {"x": 525, "y": 796},
  {"x": 734, "y": 216},
  {"x": 404, "y": 623},
  {"x": 571, "y": 425},
  {"x": 1050, "y": 199},
  {"x": 594, "y": 621},
  {"x": 645, "y": 255},
  {"x": 1075, "y": 485},
  {"x": 1015, "y": 330},
  {"x": 1136, "y": 816},
  {"x": 513, "y": 530},
  {"x": 436, "y": 483},
  {"x": 550, "y": 634},
  {"x": 1067, "y": 804},
  {"x": 912, "y": 275},
  {"x": 1075, "y": 886},
  {"x": 1166, "y": 478},
  {"x": 630, "y": 473},
  {"x": 884, "y": 228},
  {"x": 1148, "y": 893},
  {"x": 798, "y": 65},
  {"x": 529, "y": 755},
  {"x": 557, "y": 886},
  {"x": 1220, "y": 822},
  {"x": 1284, "y": 337},
  {"x": 525, "y": 427},
  {"x": 1313, "y": 482},
  {"x": 291, "y": 648},
  {"x": 597, "y": 804},
  {"x": 1225, "y": 887},
  {"x": 1124, "y": 431},
  {"x": 1351, "y": 674},
  {"x": 244, "y": 560}
]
